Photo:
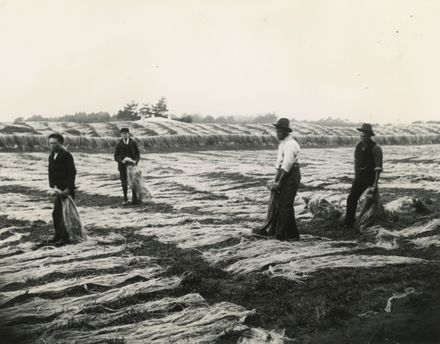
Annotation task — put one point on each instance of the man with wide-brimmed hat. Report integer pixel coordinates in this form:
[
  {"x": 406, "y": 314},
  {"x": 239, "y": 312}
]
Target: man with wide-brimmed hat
[
  {"x": 367, "y": 167},
  {"x": 280, "y": 220},
  {"x": 126, "y": 153}
]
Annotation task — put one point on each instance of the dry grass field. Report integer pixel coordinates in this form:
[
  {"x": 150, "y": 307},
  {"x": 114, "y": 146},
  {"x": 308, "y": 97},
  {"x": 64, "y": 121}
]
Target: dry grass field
[{"x": 184, "y": 268}]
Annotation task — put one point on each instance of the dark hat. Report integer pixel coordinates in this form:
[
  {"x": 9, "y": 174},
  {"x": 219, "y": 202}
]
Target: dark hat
[
  {"x": 366, "y": 128},
  {"x": 57, "y": 136},
  {"x": 125, "y": 130},
  {"x": 282, "y": 124}
]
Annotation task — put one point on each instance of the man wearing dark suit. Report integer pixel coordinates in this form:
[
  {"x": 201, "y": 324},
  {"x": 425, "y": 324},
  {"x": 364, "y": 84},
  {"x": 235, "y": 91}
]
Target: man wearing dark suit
[
  {"x": 62, "y": 173},
  {"x": 126, "y": 153}
]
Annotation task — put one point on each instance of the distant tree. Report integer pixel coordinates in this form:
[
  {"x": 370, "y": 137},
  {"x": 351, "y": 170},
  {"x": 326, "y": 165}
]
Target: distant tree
[
  {"x": 230, "y": 119},
  {"x": 19, "y": 120},
  {"x": 128, "y": 113},
  {"x": 99, "y": 117},
  {"x": 209, "y": 119},
  {"x": 221, "y": 119},
  {"x": 160, "y": 108},
  {"x": 78, "y": 117},
  {"x": 36, "y": 118},
  {"x": 266, "y": 118},
  {"x": 197, "y": 118},
  {"x": 185, "y": 118},
  {"x": 334, "y": 122},
  {"x": 145, "y": 111}
]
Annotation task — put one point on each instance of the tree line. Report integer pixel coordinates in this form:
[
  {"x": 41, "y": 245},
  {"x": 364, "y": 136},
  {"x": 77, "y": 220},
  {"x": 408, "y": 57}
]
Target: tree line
[
  {"x": 134, "y": 111},
  {"x": 131, "y": 111}
]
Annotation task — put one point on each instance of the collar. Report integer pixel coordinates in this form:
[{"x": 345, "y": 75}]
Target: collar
[
  {"x": 57, "y": 153},
  {"x": 368, "y": 143},
  {"x": 287, "y": 138},
  {"x": 128, "y": 140}
]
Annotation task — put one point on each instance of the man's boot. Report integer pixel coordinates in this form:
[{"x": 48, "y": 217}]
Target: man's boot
[
  {"x": 62, "y": 242},
  {"x": 134, "y": 198},
  {"x": 54, "y": 239}
]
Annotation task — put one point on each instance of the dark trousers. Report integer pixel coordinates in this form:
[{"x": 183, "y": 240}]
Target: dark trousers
[
  {"x": 124, "y": 183},
  {"x": 284, "y": 224},
  {"x": 57, "y": 217},
  {"x": 360, "y": 184}
]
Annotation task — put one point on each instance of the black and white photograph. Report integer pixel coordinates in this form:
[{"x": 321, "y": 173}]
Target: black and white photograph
[{"x": 218, "y": 171}]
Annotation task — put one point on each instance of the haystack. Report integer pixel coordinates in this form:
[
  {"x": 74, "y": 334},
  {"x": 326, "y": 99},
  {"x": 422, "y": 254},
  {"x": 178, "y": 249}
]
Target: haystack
[{"x": 322, "y": 208}]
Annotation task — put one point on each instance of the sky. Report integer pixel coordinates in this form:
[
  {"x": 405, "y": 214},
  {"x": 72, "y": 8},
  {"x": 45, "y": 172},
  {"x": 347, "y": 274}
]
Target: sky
[{"x": 372, "y": 61}]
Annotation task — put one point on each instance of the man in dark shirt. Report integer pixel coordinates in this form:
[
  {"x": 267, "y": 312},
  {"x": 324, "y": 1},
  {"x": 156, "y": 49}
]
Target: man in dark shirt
[
  {"x": 367, "y": 167},
  {"x": 126, "y": 153},
  {"x": 62, "y": 173}
]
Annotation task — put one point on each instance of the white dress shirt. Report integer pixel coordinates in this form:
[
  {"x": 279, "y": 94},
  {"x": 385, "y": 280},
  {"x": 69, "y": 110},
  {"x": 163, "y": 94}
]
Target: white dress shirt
[{"x": 288, "y": 154}]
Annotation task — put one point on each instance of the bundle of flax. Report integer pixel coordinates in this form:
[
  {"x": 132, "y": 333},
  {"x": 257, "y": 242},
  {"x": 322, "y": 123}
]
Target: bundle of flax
[
  {"x": 71, "y": 218},
  {"x": 72, "y": 221},
  {"x": 269, "y": 224},
  {"x": 371, "y": 210},
  {"x": 136, "y": 183}
]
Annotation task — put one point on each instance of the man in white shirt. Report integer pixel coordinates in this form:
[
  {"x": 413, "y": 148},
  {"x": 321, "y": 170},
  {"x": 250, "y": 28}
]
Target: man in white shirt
[{"x": 280, "y": 220}]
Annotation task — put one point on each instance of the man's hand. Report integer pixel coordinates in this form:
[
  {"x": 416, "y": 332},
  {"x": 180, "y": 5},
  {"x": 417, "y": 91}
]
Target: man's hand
[
  {"x": 277, "y": 175},
  {"x": 276, "y": 187},
  {"x": 128, "y": 161},
  {"x": 375, "y": 187},
  {"x": 65, "y": 193}
]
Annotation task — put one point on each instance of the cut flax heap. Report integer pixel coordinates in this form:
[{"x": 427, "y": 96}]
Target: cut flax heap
[
  {"x": 39, "y": 142},
  {"x": 421, "y": 236},
  {"x": 136, "y": 183},
  {"x": 322, "y": 208},
  {"x": 49, "y": 254},
  {"x": 42, "y": 271},
  {"x": 40, "y": 308},
  {"x": 371, "y": 209},
  {"x": 193, "y": 234},
  {"x": 296, "y": 260},
  {"x": 301, "y": 268},
  {"x": 58, "y": 288},
  {"x": 256, "y": 255},
  {"x": 72, "y": 222},
  {"x": 199, "y": 324},
  {"x": 156, "y": 307}
]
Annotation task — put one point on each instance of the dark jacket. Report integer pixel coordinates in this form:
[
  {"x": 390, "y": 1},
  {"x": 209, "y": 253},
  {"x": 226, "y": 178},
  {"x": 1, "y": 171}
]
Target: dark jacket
[
  {"x": 130, "y": 150},
  {"x": 62, "y": 171}
]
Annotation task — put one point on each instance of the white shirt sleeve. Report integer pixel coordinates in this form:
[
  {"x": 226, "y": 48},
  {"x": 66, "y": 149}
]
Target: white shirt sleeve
[{"x": 290, "y": 154}]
